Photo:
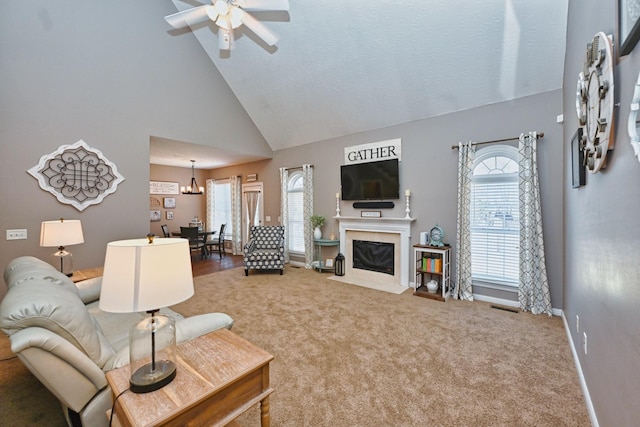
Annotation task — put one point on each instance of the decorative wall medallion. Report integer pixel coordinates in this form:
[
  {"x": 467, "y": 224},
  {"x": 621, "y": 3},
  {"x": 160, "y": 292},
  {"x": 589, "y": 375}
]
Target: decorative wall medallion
[
  {"x": 594, "y": 101},
  {"x": 632, "y": 125},
  {"x": 77, "y": 175}
]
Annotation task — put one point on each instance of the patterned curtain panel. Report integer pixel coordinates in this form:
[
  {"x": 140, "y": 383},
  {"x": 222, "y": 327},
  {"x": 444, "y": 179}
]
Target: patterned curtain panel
[
  {"x": 307, "y": 200},
  {"x": 284, "y": 208},
  {"x": 211, "y": 203},
  {"x": 236, "y": 215},
  {"x": 534, "y": 288},
  {"x": 462, "y": 288}
]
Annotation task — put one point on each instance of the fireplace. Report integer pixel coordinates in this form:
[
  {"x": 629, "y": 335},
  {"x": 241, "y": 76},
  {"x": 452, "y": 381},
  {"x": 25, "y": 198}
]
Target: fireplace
[
  {"x": 392, "y": 232},
  {"x": 373, "y": 256}
]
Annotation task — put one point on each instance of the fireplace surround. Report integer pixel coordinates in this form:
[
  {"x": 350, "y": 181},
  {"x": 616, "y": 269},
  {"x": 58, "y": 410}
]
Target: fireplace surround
[{"x": 384, "y": 230}]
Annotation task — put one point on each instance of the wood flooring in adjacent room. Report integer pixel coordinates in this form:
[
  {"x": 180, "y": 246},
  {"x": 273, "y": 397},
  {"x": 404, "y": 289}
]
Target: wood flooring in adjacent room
[{"x": 200, "y": 267}]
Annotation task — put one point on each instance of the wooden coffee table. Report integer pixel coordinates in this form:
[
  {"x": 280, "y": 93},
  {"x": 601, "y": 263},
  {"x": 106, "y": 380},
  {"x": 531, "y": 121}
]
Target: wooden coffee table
[{"x": 219, "y": 376}]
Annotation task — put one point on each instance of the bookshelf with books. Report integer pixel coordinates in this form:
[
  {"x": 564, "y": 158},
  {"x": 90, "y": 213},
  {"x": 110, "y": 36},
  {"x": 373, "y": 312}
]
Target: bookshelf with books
[{"x": 432, "y": 264}]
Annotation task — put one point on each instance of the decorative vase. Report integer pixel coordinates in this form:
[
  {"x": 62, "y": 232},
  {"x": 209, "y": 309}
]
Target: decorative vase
[
  {"x": 317, "y": 233},
  {"x": 432, "y": 286}
]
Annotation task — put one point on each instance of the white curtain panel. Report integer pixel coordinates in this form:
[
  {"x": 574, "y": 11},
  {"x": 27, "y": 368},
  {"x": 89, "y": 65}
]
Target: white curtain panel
[
  {"x": 253, "y": 197},
  {"x": 466, "y": 156},
  {"x": 284, "y": 209},
  {"x": 236, "y": 215},
  {"x": 307, "y": 201},
  {"x": 211, "y": 203},
  {"x": 534, "y": 287}
]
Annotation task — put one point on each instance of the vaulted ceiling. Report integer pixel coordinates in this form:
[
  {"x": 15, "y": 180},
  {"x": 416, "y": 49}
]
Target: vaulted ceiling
[{"x": 343, "y": 67}]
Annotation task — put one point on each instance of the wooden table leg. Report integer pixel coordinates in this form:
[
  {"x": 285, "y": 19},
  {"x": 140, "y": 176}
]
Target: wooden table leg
[{"x": 265, "y": 417}]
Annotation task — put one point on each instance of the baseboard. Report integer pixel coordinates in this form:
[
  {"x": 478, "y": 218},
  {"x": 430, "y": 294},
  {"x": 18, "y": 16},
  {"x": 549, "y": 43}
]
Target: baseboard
[
  {"x": 583, "y": 383},
  {"x": 509, "y": 303},
  {"x": 296, "y": 264}
]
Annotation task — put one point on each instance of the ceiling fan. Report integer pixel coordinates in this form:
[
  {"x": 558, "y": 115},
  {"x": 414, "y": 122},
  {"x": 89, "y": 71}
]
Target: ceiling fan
[{"x": 228, "y": 15}]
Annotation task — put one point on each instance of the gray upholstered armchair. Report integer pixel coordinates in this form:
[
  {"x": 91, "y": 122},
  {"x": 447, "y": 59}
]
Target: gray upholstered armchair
[{"x": 265, "y": 249}]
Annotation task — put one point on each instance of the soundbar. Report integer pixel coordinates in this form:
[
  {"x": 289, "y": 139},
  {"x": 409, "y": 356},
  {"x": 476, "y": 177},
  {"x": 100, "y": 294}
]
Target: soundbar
[{"x": 373, "y": 205}]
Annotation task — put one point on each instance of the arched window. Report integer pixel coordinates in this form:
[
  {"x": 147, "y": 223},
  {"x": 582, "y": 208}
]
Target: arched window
[
  {"x": 295, "y": 226},
  {"x": 495, "y": 218}
]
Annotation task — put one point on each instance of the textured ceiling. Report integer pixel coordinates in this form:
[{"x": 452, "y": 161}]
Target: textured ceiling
[{"x": 342, "y": 67}]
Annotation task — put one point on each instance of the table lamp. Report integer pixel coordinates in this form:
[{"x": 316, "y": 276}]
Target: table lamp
[
  {"x": 146, "y": 275},
  {"x": 61, "y": 233}
]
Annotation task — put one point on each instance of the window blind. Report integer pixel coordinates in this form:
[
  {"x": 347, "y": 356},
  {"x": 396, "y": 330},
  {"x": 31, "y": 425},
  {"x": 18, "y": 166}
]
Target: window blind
[{"x": 495, "y": 225}]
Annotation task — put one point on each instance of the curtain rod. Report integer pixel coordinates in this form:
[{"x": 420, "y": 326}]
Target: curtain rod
[
  {"x": 539, "y": 135},
  {"x": 294, "y": 168}
]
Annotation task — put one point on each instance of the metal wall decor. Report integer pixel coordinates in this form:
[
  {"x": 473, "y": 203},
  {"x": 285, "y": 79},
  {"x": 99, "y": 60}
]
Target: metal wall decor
[
  {"x": 594, "y": 101},
  {"x": 77, "y": 175},
  {"x": 632, "y": 124}
]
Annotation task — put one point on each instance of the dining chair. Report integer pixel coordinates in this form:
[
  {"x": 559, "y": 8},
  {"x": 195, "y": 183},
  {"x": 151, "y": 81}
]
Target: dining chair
[
  {"x": 217, "y": 243},
  {"x": 165, "y": 230},
  {"x": 196, "y": 243}
]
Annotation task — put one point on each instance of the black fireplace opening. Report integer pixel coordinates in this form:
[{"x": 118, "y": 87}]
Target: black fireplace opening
[{"x": 373, "y": 256}]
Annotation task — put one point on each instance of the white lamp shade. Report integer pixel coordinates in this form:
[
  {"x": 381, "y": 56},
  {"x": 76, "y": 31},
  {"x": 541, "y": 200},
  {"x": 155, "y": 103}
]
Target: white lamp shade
[
  {"x": 61, "y": 232},
  {"x": 143, "y": 276}
]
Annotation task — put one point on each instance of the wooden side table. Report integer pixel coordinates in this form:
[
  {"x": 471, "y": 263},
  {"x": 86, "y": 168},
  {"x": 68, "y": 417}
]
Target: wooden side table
[
  {"x": 219, "y": 376},
  {"x": 86, "y": 274}
]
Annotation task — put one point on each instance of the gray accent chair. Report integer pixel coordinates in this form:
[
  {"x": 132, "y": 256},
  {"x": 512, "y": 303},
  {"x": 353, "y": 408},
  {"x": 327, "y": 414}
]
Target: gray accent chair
[
  {"x": 265, "y": 249},
  {"x": 57, "y": 330}
]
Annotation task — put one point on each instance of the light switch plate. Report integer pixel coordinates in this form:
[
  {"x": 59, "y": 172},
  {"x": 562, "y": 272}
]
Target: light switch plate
[{"x": 18, "y": 234}]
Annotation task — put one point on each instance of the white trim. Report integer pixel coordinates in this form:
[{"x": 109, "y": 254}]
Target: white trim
[
  {"x": 296, "y": 264},
  {"x": 583, "y": 382},
  {"x": 496, "y": 286}
]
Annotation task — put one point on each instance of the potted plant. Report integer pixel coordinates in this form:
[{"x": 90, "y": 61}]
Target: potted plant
[{"x": 317, "y": 221}]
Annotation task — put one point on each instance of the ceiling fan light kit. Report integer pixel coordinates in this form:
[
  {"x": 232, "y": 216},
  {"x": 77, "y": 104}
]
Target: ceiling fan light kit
[{"x": 229, "y": 15}]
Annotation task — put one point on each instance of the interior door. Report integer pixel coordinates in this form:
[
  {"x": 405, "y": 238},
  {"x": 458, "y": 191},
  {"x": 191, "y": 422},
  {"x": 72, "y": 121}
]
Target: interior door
[{"x": 252, "y": 204}]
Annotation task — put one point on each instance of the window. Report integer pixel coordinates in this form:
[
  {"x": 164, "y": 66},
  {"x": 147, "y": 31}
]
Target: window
[
  {"x": 295, "y": 227},
  {"x": 495, "y": 217},
  {"x": 222, "y": 206}
]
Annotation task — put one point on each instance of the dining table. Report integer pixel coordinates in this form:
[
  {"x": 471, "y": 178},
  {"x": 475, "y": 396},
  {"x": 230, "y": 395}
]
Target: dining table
[{"x": 203, "y": 234}]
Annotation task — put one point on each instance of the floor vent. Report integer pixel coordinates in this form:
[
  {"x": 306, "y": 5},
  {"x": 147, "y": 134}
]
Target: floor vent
[{"x": 505, "y": 308}]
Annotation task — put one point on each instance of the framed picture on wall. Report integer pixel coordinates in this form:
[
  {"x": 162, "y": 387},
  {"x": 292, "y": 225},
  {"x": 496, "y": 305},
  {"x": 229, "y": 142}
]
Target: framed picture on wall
[
  {"x": 169, "y": 214},
  {"x": 155, "y": 215},
  {"x": 577, "y": 160},
  {"x": 169, "y": 202},
  {"x": 628, "y": 25}
]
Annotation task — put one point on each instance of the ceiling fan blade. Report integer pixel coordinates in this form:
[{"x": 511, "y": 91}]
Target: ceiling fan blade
[
  {"x": 260, "y": 5},
  {"x": 191, "y": 16},
  {"x": 259, "y": 29}
]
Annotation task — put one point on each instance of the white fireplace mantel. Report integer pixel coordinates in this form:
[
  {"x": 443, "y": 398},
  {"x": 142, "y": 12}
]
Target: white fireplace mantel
[{"x": 401, "y": 226}]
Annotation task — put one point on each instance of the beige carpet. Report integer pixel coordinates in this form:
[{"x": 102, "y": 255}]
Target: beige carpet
[{"x": 351, "y": 356}]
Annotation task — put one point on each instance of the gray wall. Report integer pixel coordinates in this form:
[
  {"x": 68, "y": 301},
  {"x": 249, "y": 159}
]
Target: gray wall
[
  {"x": 85, "y": 70},
  {"x": 429, "y": 169},
  {"x": 601, "y": 237}
]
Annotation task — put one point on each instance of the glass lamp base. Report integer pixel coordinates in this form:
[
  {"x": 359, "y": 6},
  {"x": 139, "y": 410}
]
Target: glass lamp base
[
  {"x": 146, "y": 379},
  {"x": 63, "y": 261},
  {"x": 152, "y": 353}
]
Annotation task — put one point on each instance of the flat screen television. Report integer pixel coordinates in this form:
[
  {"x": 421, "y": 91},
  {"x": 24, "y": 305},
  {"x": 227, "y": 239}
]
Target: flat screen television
[{"x": 370, "y": 181}]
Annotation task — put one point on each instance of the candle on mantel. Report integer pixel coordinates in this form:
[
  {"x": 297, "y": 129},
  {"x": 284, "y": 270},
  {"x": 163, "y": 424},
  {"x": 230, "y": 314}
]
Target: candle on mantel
[{"x": 407, "y": 193}]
